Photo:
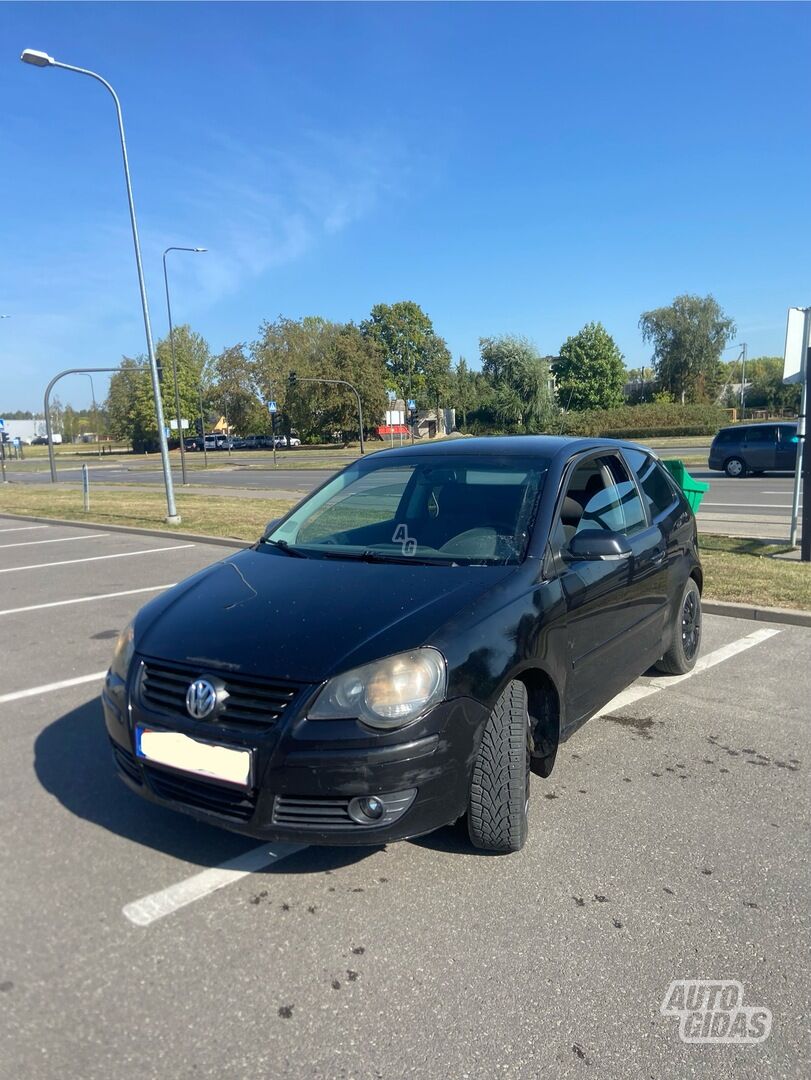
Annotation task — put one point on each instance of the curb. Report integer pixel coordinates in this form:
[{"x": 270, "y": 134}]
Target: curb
[
  {"x": 789, "y": 616},
  {"x": 221, "y": 541}
]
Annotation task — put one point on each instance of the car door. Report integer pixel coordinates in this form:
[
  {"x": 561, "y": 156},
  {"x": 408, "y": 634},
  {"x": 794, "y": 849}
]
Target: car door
[
  {"x": 786, "y": 447},
  {"x": 614, "y": 610},
  {"x": 760, "y": 447}
]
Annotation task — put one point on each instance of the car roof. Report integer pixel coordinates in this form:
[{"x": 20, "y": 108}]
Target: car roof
[
  {"x": 544, "y": 446},
  {"x": 759, "y": 423}
]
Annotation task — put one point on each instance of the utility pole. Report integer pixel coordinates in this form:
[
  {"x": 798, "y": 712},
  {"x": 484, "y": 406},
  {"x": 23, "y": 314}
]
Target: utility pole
[{"x": 744, "y": 348}]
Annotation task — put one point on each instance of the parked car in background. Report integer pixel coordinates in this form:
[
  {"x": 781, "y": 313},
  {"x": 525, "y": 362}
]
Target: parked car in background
[
  {"x": 460, "y": 609},
  {"x": 282, "y": 442},
  {"x": 754, "y": 448},
  {"x": 258, "y": 442}
]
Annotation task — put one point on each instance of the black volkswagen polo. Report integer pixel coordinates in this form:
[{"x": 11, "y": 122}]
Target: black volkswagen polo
[{"x": 410, "y": 642}]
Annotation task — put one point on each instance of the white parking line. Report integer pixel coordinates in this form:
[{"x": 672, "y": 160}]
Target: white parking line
[
  {"x": 93, "y": 558},
  {"x": 58, "y": 540},
  {"x": 97, "y": 676},
  {"x": 88, "y": 599},
  {"x": 704, "y": 663},
  {"x": 25, "y": 528},
  {"x": 750, "y": 505},
  {"x": 148, "y": 909}
]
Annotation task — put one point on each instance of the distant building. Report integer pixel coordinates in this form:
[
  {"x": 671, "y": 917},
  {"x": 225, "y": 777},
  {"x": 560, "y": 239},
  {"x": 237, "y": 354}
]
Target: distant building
[{"x": 26, "y": 430}]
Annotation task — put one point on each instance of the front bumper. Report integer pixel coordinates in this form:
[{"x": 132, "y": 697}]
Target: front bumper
[{"x": 306, "y": 772}]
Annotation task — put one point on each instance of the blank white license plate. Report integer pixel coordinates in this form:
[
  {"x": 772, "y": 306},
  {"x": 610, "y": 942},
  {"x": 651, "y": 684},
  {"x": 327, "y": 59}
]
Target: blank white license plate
[{"x": 179, "y": 751}]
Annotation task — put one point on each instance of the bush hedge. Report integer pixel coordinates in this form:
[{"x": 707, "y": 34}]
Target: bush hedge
[{"x": 646, "y": 421}]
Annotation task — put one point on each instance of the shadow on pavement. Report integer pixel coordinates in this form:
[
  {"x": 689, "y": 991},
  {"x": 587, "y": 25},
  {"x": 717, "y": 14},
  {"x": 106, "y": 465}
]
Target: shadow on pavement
[{"x": 73, "y": 762}]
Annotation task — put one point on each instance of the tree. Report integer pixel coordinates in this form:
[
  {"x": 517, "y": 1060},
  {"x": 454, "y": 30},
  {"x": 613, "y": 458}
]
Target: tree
[
  {"x": 417, "y": 359},
  {"x": 765, "y": 387},
  {"x": 194, "y": 372},
  {"x": 519, "y": 380},
  {"x": 688, "y": 338},
  {"x": 318, "y": 349},
  {"x": 590, "y": 370},
  {"x": 131, "y": 403},
  {"x": 234, "y": 385}
]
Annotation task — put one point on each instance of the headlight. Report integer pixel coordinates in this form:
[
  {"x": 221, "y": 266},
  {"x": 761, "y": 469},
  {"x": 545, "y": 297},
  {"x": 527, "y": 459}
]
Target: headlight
[
  {"x": 122, "y": 653},
  {"x": 386, "y": 694}
]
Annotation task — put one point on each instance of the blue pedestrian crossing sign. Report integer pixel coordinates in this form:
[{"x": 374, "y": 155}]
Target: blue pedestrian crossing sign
[
  {"x": 412, "y": 404},
  {"x": 272, "y": 407},
  {"x": 2, "y": 424}
]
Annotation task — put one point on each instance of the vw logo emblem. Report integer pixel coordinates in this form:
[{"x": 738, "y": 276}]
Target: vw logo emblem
[{"x": 201, "y": 698}]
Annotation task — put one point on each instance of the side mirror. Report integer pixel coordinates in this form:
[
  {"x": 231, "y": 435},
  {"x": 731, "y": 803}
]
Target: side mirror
[
  {"x": 599, "y": 544},
  {"x": 271, "y": 525}
]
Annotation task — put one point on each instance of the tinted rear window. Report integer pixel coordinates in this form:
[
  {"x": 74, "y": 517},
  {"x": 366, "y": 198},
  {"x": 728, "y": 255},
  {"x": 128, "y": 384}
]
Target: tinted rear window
[{"x": 727, "y": 435}]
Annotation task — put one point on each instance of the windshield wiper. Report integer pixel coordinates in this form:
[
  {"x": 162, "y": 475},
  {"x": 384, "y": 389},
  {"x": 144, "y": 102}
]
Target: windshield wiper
[
  {"x": 283, "y": 545},
  {"x": 372, "y": 556}
]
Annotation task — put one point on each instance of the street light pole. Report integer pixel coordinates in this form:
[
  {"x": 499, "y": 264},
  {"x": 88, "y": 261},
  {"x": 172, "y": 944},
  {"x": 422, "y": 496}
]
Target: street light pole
[
  {"x": 174, "y": 362},
  {"x": 41, "y": 59},
  {"x": 744, "y": 347},
  {"x": 95, "y": 416},
  {"x": 343, "y": 382},
  {"x": 203, "y": 426}
]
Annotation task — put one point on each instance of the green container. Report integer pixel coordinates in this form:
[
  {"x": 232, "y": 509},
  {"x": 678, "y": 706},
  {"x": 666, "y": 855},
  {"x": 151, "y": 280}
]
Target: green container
[{"x": 693, "y": 489}]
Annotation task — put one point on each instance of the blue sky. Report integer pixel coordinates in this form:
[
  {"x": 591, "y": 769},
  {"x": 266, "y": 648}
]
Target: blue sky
[{"x": 512, "y": 168}]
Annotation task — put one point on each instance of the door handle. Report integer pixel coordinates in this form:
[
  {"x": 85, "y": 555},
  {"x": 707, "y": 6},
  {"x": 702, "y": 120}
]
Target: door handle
[{"x": 659, "y": 557}]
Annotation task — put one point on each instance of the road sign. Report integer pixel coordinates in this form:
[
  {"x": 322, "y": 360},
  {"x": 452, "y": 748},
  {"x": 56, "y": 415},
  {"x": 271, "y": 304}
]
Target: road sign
[
  {"x": 272, "y": 408},
  {"x": 412, "y": 404},
  {"x": 183, "y": 424},
  {"x": 391, "y": 395},
  {"x": 793, "y": 359},
  {"x": 2, "y": 424}
]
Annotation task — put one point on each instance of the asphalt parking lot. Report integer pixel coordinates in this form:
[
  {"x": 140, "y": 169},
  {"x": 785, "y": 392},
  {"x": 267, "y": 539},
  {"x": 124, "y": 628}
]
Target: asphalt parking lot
[{"x": 670, "y": 842}]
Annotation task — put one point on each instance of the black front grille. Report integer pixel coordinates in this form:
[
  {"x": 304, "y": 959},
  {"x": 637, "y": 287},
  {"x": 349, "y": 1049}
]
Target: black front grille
[
  {"x": 127, "y": 764},
  {"x": 321, "y": 813},
  {"x": 251, "y": 703},
  {"x": 202, "y": 794}
]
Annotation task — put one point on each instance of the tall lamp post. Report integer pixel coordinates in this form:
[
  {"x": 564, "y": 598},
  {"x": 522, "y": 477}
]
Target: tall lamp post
[
  {"x": 95, "y": 411},
  {"x": 174, "y": 361},
  {"x": 42, "y": 59}
]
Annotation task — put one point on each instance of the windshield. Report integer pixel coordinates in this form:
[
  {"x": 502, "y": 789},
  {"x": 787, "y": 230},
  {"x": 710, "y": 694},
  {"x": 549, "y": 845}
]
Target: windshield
[{"x": 444, "y": 510}]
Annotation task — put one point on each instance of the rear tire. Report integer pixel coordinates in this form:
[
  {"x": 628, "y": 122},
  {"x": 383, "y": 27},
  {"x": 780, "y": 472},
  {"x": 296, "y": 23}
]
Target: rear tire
[
  {"x": 684, "y": 648},
  {"x": 735, "y": 468},
  {"x": 499, "y": 787}
]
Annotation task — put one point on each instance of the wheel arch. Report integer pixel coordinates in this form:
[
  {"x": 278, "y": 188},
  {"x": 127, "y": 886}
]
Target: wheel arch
[{"x": 544, "y": 708}]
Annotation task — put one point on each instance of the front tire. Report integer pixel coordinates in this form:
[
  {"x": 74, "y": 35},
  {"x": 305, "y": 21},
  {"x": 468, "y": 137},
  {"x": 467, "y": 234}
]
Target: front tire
[
  {"x": 686, "y": 642},
  {"x": 499, "y": 787},
  {"x": 735, "y": 468}
]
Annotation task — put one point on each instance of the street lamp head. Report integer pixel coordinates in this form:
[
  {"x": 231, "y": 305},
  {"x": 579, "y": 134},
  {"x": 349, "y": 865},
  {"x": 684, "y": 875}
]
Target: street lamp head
[
  {"x": 200, "y": 249},
  {"x": 38, "y": 59}
]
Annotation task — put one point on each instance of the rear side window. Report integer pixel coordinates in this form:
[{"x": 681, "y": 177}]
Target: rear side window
[
  {"x": 654, "y": 481},
  {"x": 727, "y": 435},
  {"x": 762, "y": 433}
]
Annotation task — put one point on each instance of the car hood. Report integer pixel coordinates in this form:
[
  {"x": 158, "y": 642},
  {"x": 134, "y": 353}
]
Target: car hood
[{"x": 265, "y": 613}]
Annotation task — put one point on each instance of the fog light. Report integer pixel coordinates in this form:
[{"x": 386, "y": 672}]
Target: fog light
[
  {"x": 371, "y": 808},
  {"x": 380, "y": 809}
]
